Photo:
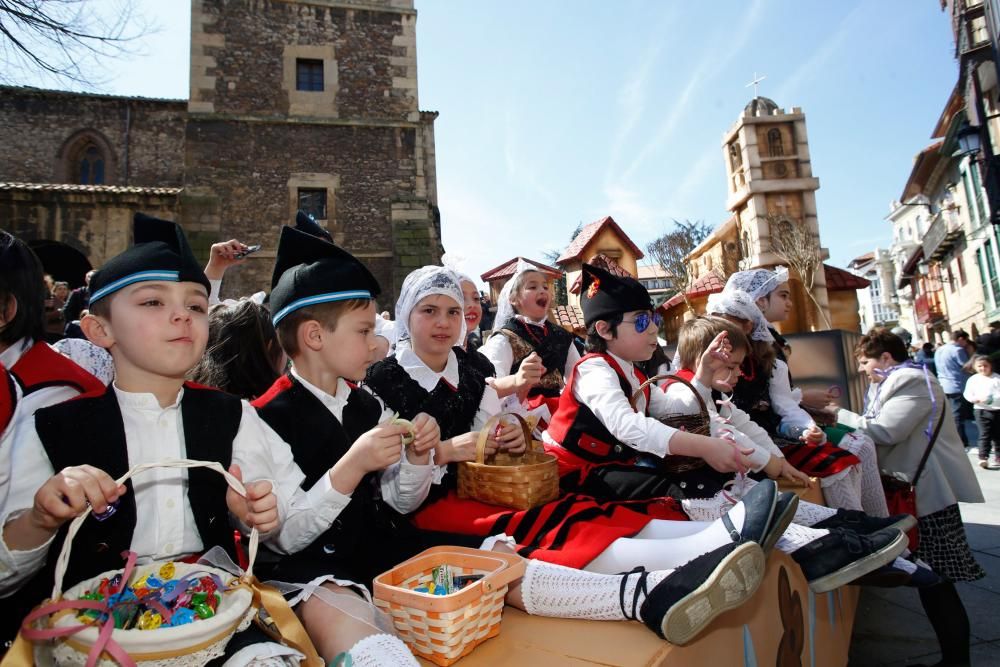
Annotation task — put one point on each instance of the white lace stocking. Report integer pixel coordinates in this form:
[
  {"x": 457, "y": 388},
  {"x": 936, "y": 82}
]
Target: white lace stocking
[
  {"x": 562, "y": 592},
  {"x": 382, "y": 651},
  {"x": 872, "y": 494},
  {"x": 809, "y": 514},
  {"x": 843, "y": 490},
  {"x": 796, "y": 536}
]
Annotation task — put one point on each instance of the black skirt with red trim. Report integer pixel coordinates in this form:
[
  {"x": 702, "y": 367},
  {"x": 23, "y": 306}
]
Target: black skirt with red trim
[
  {"x": 571, "y": 531},
  {"x": 823, "y": 460}
]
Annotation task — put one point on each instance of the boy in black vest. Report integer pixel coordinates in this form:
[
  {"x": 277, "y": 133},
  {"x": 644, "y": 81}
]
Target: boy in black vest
[
  {"x": 323, "y": 308},
  {"x": 148, "y": 308}
]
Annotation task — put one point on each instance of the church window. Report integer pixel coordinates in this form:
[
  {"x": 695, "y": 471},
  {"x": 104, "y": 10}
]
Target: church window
[
  {"x": 313, "y": 202},
  {"x": 90, "y": 166},
  {"x": 308, "y": 74},
  {"x": 735, "y": 157},
  {"x": 774, "y": 147}
]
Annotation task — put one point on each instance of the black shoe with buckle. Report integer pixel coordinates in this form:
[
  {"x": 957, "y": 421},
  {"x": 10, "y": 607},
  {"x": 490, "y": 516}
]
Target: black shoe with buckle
[
  {"x": 784, "y": 512},
  {"x": 759, "y": 504},
  {"x": 865, "y": 524},
  {"x": 689, "y": 599},
  {"x": 842, "y": 556}
]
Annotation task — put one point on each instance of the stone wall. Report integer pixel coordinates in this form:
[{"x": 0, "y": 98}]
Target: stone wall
[{"x": 39, "y": 129}]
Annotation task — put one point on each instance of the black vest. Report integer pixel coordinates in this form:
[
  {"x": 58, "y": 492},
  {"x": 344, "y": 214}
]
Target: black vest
[
  {"x": 453, "y": 408},
  {"x": 752, "y": 394},
  {"x": 552, "y": 344},
  {"x": 89, "y": 430},
  {"x": 318, "y": 441}
]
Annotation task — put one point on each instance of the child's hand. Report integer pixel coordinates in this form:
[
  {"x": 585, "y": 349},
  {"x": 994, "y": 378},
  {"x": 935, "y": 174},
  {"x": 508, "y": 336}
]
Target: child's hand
[
  {"x": 813, "y": 435},
  {"x": 71, "y": 492},
  {"x": 820, "y": 398},
  {"x": 379, "y": 448},
  {"x": 508, "y": 437},
  {"x": 222, "y": 256},
  {"x": 714, "y": 358},
  {"x": 725, "y": 455},
  {"x": 460, "y": 448},
  {"x": 529, "y": 373},
  {"x": 427, "y": 436},
  {"x": 260, "y": 506},
  {"x": 792, "y": 474}
]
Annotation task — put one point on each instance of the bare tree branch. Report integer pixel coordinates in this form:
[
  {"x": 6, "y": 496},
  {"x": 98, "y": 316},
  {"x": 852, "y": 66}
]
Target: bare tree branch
[
  {"x": 671, "y": 250},
  {"x": 65, "y": 41},
  {"x": 795, "y": 244}
]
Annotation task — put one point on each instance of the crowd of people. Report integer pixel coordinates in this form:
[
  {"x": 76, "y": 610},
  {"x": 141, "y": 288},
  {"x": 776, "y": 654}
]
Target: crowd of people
[{"x": 347, "y": 426}]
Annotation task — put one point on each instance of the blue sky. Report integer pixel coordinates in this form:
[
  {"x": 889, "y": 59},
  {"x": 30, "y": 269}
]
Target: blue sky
[{"x": 558, "y": 112}]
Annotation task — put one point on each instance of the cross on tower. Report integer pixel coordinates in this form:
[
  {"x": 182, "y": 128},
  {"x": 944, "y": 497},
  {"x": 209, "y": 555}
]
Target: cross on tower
[{"x": 756, "y": 84}]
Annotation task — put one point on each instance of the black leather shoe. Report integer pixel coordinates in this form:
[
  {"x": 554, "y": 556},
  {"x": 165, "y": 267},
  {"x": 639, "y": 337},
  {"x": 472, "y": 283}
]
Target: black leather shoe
[
  {"x": 759, "y": 503},
  {"x": 864, "y": 524},
  {"x": 784, "y": 512},
  {"x": 842, "y": 556},
  {"x": 683, "y": 604}
]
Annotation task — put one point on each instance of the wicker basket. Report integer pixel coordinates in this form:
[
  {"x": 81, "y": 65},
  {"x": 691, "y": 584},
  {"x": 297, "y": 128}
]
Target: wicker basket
[
  {"x": 520, "y": 481},
  {"x": 61, "y": 638},
  {"x": 443, "y": 628},
  {"x": 700, "y": 424}
]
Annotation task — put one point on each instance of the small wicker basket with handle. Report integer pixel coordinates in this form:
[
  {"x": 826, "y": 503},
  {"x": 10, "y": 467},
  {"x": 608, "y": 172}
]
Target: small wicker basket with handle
[
  {"x": 520, "y": 481},
  {"x": 700, "y": 424}
]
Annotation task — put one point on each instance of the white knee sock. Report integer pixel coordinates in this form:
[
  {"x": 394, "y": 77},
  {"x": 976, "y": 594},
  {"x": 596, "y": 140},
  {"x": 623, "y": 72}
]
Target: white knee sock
[
  {"x": 665, "y": 545},
  {"x": 562, "y": 592},
  {"x": 844, "y": 490},
  {"x": 796, "y": 536},
  {"x": 382, "y": 651},
  {"x": 809, "y": 514},
  {"x": 872, "y": 494}
]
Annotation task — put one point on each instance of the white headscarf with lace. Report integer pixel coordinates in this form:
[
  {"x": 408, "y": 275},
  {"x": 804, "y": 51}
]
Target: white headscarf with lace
[
  {"x": 505, "y": 309},
  {"x": 424, "y": 282},
  {"x": 758, "y": 283},
  {"x": 738, "y": 303}
]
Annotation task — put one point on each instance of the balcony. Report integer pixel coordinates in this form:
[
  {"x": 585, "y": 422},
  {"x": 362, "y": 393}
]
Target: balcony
[
  {"x": 991, "y": 183},
  {"x": 927, "y": 310},
  {"x": 944, "y": 232}
]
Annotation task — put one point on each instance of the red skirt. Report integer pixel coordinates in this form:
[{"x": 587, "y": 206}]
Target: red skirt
[
  {"x": 823, "y": 460},
  {"x": 571, "y": 531}
]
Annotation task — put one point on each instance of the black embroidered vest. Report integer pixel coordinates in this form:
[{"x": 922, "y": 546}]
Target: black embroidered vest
[{"x": 552, "y": 344}]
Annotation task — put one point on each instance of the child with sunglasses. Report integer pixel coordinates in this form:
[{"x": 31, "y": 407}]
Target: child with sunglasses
[{"x": 595, "y": 432}]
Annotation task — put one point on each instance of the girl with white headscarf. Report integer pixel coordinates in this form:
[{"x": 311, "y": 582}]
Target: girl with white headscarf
[
  {"x": 432, "y": 374},
  {"x": 532, "y": 357},
  {"x": 766, "y": 393}
]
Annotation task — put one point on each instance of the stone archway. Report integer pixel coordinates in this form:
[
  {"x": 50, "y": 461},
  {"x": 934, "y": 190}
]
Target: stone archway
[{"x": 61, "y": 261}]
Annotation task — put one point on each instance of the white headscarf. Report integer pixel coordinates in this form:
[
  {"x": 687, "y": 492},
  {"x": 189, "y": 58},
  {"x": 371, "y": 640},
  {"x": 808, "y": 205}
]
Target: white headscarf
[
  {"x": 422, "y": 283},
  {"x": 758, "y": 283},
  {"x": 505, "y": 309},
  {"x": 740, "y": 304}
]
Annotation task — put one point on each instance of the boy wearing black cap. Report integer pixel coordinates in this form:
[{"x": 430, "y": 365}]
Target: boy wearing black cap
[
  {"x": 323, "y": 309},
  {"x": 148, "y": 308},
  {"x": 595, "y": 427}
]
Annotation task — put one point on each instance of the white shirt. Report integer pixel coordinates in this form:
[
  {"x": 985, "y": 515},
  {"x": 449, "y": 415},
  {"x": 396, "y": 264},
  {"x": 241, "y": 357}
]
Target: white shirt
[
  {"x": 22, "y": 422},
  {"x": 785, "y": 400},
  {"x": 597, "y": 386},
  {"x": 985, "y": 389},
  {"x": 404, "y": 485},
  {"x": 734, "y": 421},
  {"x": 154, "y": 433}
]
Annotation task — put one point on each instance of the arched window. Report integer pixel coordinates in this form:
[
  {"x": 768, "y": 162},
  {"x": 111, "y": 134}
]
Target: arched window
[
  {"x": 735, "y": 156},
  {"x": 90, "y": 165},
  {"x": 774, "y": 147}
]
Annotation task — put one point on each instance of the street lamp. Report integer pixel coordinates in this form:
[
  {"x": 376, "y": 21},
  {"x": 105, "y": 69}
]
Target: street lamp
[{"x": 968, "y": 140}]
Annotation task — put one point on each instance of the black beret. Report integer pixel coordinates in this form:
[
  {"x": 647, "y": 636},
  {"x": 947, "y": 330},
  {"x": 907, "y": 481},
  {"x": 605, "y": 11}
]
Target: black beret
[
  {"x": 309, "y": 270},
  {"x": 604, "y": 295},
  {"x": 160, "y": 251}
]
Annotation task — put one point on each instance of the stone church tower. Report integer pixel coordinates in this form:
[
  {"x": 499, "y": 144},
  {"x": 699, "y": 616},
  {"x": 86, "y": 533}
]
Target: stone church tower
[
  {"x": 293, "y": 104},
  {"x": 771, "y": 185}
]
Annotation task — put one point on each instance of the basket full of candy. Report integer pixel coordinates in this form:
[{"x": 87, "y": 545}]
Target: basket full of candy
[
  {"x": 447, "y": 600},
  {"x": 160, "y": 613}
]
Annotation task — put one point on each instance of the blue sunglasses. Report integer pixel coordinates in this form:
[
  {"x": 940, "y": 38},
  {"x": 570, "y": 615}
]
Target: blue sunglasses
[{"x": 643, "y": 320}]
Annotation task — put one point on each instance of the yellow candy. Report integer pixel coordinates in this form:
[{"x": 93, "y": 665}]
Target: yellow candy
[
  {"x": 167, "y": 571},
  {"x": 141, "y": 582},
  {"x": 149, "y": 620}
]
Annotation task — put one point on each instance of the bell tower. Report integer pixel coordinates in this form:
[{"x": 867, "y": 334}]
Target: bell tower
[{"x": 771, "y": 188}]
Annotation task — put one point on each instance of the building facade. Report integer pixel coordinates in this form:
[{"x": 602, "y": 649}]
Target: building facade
[{"x": 298, "y": 104}]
